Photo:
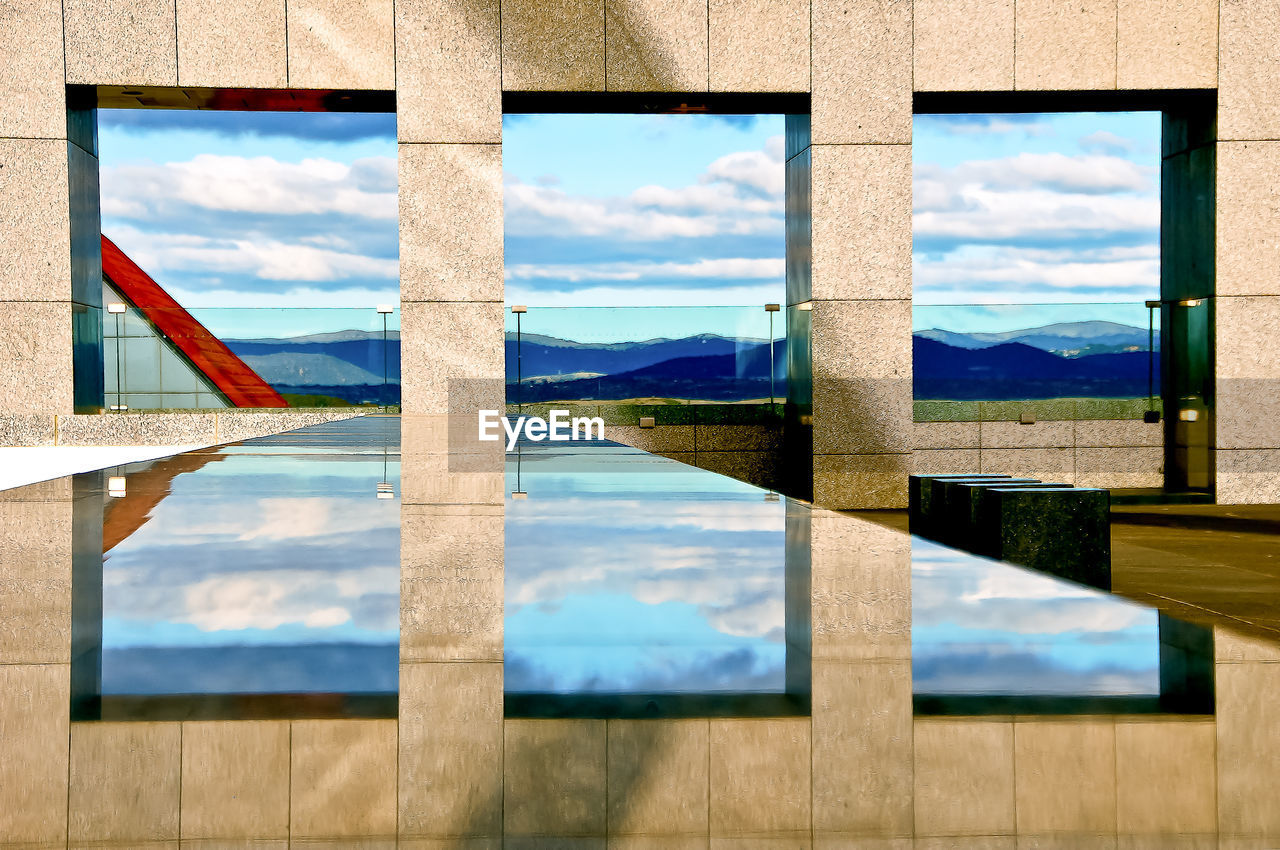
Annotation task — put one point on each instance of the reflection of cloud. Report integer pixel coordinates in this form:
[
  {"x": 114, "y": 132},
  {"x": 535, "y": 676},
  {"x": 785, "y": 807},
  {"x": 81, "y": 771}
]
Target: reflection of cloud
[
  {"x": 267, "y": 519},
  {"x": 741, "y": 670},
  {"x": 310, "y": 668},
  {"x": 957, "y": 589},
  {"x": 728, "y": 563},
  {"x": 992, "y": 671},
  {"x": 220, "y": 565},
  {"x": 633, "y": 513},
  {"x": 317, "y": 600}
]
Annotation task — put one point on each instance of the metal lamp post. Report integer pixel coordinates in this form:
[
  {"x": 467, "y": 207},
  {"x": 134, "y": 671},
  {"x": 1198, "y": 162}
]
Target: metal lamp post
[
  {"x": 771, "y": 309},
  {"x": 519, "y": 310},
  {"x": 1151, "y": 416},
  {"x": 117, "y": 308},
  {"x": 385, "y": 310}
]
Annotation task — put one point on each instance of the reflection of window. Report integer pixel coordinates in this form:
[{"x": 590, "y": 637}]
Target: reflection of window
[{"x": 146, "y": 371}]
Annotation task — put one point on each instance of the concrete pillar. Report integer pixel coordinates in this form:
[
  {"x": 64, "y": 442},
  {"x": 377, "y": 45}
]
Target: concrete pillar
[
  {"x": 849, "y": 255},
  {"x": 449, "y": 101},
  {"x": 1247, "y": 303},
  {"x": 48, "y": 208},
  {"x": 1247, "y": 676},
  {"x": 449, "y": 97},
  {"x": 36, "y": 549},
  {"x": 862, "y": 701},
  {"x": 451, "y": 639}
]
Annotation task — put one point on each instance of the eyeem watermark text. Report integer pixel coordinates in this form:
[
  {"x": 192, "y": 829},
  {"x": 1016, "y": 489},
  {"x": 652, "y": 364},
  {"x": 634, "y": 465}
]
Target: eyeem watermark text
[{"x": 559, "y": 428}]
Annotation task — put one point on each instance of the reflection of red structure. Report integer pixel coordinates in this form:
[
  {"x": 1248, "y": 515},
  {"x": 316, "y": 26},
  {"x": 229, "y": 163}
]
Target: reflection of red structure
[
  {"x": 242, "y": 386},
  {"x": 122, "y": 517}
]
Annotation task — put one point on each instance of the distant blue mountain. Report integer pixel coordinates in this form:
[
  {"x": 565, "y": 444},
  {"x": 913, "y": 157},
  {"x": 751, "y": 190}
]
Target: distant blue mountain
[
  {"x": 362, "y": 349},
  {"x": 1072, "y": 338},
  {"x": 548, "y": 356},
  {"x": 741, "y": 375},
  {"x": 1018, "y": 371},
  {"x": 1098, "y": 359}
]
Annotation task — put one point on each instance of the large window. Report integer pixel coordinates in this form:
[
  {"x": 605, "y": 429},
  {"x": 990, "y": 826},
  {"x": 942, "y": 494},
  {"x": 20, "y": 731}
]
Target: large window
[
  {"x": 645, "y": 249},
  {"x": 1036, "y": 250},
  {"x": 250, "y": 259}
]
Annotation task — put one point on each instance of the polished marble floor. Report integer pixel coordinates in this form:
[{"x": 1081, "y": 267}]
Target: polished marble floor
[{"x": 348, "y": 636}]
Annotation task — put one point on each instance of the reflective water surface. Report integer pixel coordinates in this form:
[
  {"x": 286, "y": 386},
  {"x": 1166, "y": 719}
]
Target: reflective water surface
[
  {"x": 342, "y": 637},
  {"x": 261, "y": 568},
  {"x": 634, "y": 584}
]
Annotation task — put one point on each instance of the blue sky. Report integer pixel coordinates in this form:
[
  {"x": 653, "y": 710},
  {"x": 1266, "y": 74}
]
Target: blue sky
[
  {"x": 662, "y": 579},
  {"x": 298, "y": 209},
  {"x": 341, "y": 582}
]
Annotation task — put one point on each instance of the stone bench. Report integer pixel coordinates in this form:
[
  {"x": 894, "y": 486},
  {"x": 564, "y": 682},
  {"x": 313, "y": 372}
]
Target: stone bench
[{"x": 1055, "y": 528}]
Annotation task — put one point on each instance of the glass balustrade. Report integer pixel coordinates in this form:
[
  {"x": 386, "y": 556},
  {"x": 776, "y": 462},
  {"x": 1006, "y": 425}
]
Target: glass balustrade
[
  {"x": 1054, "y": 361},
  {"x": 171, "y": 358}
]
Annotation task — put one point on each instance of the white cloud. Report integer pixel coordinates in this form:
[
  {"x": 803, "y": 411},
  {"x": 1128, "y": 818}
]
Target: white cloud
[
  {"x": 979, "y": 126},
  {"x": 1013, "y": 274},
  {"x": 265, "y": 259},
  {"x": 981, "y": 228},
  {"x": 641, "y": 296},
  {"x": 738, "y": 194},
  {"x": 365, "y": 188},
  {"x": 1075, "y": 175},
  {"x": 649, "y": 213},
  {"x": 1104, "y": 141},
  {"x": 761, "y": 170},
  {"x": 773, "y": 268}
]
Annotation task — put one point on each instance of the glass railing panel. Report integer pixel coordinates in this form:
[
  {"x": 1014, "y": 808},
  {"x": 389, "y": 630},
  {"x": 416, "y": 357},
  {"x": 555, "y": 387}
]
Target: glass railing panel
[
  {"x": 177, "y": 359},
  {"x": 1052, "y": 361},
  {"x": 660, "y": 356}
]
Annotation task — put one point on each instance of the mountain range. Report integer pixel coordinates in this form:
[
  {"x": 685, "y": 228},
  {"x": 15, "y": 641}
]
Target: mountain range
[
  {"x": 1095, "y": 358},
  {"x": 1071, "y": 339},
  {"x": 346, "y": 358}
]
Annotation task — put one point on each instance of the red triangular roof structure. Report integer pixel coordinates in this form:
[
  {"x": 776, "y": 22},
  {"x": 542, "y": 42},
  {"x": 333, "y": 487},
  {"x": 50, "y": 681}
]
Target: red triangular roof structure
[{"x": 242, "y": 386}]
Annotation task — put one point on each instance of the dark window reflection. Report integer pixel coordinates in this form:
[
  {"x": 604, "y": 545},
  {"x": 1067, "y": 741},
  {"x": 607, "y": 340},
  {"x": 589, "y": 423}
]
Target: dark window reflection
[
  {"x": 260, "y": 579},
  {"x": 637, "y": 585},
  {"x": 990, "y": 637}
]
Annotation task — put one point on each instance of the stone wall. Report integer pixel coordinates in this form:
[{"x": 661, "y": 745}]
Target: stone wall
[
  {"x": 849, "y": 164},
  {"x": 861, "y": 770},
  {"x": 1107, "y": 453},
  {"x": 160, "y": 429}
]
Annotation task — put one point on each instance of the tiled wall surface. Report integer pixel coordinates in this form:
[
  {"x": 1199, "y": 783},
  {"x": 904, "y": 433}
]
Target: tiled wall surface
[
  {"x": 1088, "y": 453},
  {"x": 450, "y": 61},
  {"x": 159, "y": 429},
  {"x": 861, "y": 771}
]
